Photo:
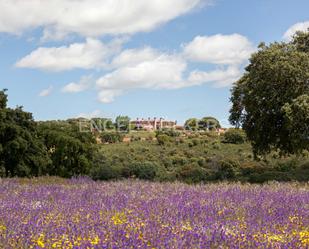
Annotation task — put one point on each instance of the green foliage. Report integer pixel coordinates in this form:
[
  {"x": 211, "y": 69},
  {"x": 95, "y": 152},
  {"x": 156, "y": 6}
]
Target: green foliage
[
  {"x": 142, "y": 170},
  {"x": 71, "y": 151},
  {"x": 3, "y": 99},
  {"x": 191, "y": 124},
  {"x": 276, "y": 77},
  {"x": 22, "y": 153},
  {"x": 193, "y": 174},
  {"x": 102, "y": 124},
  {"x": 111, "y": 137},
  {"x": 296, "y": 115},
  {"x": 228, "y": 169},
  {"x": 168, "y": 132},
  {"x": 301, "y": 41},
  {"x": 163, "y": 139},
  {"x": 209, "y": 123},
  {"x": 234, "y": 136},
  {"x": 122, "y": 123}
]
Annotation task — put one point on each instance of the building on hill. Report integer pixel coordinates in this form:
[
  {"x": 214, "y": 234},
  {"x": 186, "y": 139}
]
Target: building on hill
[{"x": 153, "y": 124}]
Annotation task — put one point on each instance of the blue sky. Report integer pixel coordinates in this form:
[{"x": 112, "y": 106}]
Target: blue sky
[{"x": 165, "y": 58}]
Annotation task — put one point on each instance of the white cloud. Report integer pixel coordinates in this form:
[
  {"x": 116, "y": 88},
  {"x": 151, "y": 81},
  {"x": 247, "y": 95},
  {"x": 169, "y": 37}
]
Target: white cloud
[
  {"x": 219, "y": 49},
  {"x": 84, "y": 84},
  {"x": 219, "y": 77},
  {"x": 90, "y": 17},
  {"x": 109, "y": 95},
  {"x": 130, "y": 57},
  {"x": 301, "y": 26},
  {"x": 46, "y": 92},
  {"x": 91, "y": 54},
  {"x": 94, "y": 114},
  {"x": 150, "y": 69}
]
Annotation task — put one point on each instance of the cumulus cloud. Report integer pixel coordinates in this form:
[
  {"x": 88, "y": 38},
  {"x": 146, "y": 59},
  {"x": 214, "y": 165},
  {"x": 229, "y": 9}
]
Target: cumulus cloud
[
  {"x": 219, "y": 77},
  {"x": 219, "y": 49},
  {"x": 301, "y": 26},
  {"x": 84, "y": 84},
  {"x": 150, "y": 69},
  {"x": 91, "y": 54},
  {"x": 46, "y": 92},
  {"x": 90, "y": 17}
]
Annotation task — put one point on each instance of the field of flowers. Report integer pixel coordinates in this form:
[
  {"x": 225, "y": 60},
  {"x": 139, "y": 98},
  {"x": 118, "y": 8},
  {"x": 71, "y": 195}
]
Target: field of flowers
[{"x": 80, "y": 213}]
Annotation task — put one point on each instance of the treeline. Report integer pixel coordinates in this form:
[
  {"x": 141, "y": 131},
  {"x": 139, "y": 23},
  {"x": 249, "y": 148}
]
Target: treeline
[{"x": 29, "y": 148}]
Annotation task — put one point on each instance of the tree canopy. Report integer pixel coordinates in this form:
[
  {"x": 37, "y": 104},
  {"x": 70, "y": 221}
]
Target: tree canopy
[
  {"x": 270, "y": 101},
  {"x": 22, "y": 152}
]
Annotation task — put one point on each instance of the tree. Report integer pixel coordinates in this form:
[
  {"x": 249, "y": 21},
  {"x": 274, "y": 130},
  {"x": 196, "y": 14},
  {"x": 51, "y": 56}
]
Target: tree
[
  {"x": 296, "y": 115},
  {"x": 70, "y": 150},
  {"x": 22, "y": 152},
  {"x": 275, "y": 78},
  {"x": 209, "y": 123},
  {"x": 122, "y": 123},
  {"x": 191, "y": 124}
]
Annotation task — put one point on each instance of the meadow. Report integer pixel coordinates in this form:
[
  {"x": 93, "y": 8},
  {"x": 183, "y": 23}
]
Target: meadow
[{"x": 54, "y": 212}]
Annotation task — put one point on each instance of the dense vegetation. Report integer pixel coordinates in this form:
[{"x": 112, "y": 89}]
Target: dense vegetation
[
  {"x": 202, "y": 156},
  {"x": 59, "y": 148},
  {"x": 271, "y": 100}
]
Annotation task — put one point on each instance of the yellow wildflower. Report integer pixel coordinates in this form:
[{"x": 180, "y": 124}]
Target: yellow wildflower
[
  {"x": 304, "y": 237},
  {"x": 2, "y": 228},
  {"x": 119, "y": 218},
  {"x": 275, "y": 238},
  {"x": 95, "y": 240},
  {"x": 40, "y": 241},
  {"x": 187, "y": 227}
]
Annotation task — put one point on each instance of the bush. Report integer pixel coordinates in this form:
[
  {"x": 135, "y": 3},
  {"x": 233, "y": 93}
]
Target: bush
[
  {"x": 234, "y": 136},
  {"x": 269, "y": 176},
  {"x": 195, "y": 142},
  {"x": 227, "y": 170},
  {"x": 193, "y": 174},
  {"x": 163, "y": 139},
  {"x": 111, "y": 137},
  {"x": 105, "y": 172},
  {"x": 143, "y": 170},
  {"x": 168, "y": 132}
]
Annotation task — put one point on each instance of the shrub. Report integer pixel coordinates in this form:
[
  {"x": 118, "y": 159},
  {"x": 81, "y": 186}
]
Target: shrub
[
  {"x": 286, "y": 166},
  {"x": 163, "y": 139},
  {"x": 234, "y": 136},
  {"x": 111, "y": 137},
  {"x": 227, "y": 169},
  {"x": 195, "y": 142},
  {"x": 168, "y": 132},
  {"x": 193, "y": 174},
  {"x": 105, "y": 172},
  {"x": 141, "y": 170}
]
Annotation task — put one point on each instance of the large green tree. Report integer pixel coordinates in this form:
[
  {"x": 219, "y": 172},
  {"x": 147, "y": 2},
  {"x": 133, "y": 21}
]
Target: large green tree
[
  {"x": 70, "y": 150},
  {"x": 270, "y": 101},
  {"x": 22, "y": 153}
]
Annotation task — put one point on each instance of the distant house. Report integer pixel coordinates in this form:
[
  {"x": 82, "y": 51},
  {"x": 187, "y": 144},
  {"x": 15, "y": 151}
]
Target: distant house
[{"x": 153, "y": 124}]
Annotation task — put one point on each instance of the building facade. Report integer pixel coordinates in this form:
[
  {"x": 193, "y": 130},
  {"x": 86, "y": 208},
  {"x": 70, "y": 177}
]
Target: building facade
[{"x": 153, "y": 124}]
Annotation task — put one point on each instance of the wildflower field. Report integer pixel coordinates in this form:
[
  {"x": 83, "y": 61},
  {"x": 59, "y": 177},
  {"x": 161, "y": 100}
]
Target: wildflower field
[{"x": 80, "y": 213}]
